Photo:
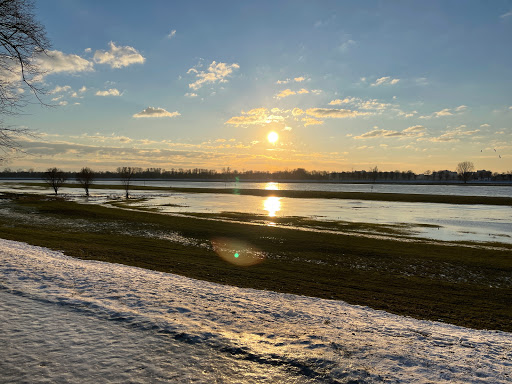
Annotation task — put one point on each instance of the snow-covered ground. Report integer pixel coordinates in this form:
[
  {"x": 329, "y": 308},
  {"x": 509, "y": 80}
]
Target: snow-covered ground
[{"x": 69, "y": 320}]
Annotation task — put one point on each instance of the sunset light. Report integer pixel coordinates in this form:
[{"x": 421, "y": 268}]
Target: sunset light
[
  {"x": 341, "y": 90},
  {"x": 256, "y": 191},
  {"x": 272, "y": 137},
  {"x": 272, "y": 205}
]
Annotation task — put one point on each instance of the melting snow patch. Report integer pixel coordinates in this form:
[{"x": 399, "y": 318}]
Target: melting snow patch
[{"x": 247, "y": 335}]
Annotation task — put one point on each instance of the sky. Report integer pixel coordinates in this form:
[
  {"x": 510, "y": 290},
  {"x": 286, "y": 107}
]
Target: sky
[{"x": 346, "y": 85}]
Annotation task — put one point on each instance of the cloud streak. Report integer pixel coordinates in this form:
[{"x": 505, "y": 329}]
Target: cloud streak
[
  {"x": 386, "y": 80},
  {"x": 155, "y": 112},
  {"x": 110, "y": 92},
  {"x": 414, "y": 131}
]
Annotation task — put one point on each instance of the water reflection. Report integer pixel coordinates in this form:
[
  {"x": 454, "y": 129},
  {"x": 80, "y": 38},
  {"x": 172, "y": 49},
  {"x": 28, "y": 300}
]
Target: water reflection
[
  {"x": 271, "y": 186},
  {"x": 272, "y": 204}
]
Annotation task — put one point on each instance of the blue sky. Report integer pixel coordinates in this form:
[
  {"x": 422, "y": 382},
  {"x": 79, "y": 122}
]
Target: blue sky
[{"x": 345, "y": 84}]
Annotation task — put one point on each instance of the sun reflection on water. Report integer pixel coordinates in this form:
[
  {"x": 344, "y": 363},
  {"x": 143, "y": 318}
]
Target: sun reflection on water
[
  {"x": 272, "y": 204},
  {"x": 272, "y": 186}
]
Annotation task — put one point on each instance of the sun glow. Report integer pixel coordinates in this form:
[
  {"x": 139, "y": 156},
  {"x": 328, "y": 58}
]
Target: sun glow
[
  {"x": 272, "y": 205},
  {"x": 272, "y": 137}
]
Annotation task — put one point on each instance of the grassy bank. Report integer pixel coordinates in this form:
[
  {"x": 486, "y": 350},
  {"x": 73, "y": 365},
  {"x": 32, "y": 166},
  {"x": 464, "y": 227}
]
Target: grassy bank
[
  {"x": 399, "y": 197},
  {"x": 467, "y": 286}
]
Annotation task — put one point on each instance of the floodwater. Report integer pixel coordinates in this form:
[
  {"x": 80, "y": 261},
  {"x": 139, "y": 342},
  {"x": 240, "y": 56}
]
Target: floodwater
[
  {"x": 501, "y": 190},
  {"x": 446, "y": 222}
]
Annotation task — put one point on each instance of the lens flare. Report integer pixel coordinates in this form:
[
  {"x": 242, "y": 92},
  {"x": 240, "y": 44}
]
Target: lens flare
[{"x": 237, "y": 252}]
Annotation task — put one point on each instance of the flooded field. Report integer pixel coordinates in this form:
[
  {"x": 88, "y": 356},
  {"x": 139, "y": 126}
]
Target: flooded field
[{"x": 446, "y": 222}]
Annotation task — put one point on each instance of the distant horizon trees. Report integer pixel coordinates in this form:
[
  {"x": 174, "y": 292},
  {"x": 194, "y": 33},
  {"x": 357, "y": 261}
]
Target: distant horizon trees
[
  {"x": 465, "y": 170},
  {"x": 300, "y": 174}
]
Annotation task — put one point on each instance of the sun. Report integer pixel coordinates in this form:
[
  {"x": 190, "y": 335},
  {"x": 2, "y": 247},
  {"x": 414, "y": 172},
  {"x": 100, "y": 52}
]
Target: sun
[{"x": 272, "y": 137}]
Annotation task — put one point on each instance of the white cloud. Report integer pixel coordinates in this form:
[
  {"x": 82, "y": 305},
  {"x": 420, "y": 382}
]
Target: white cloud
[
  {"x": 334, "y": 113},
  {"x": 297, "y": 112},
  {"x": 339, "y": 101},
  {"x": 378, "y": 133},
  {"x": 485, "y": 125},
  {"x": 83, "y": 89},
  {"x": 59, "y": 89},
  {"x": 346, "y": 45},
  {"x": 311, "y": 121},
  {"x": 156, "y": 112},
  {"x": 508, "y": 14},
  {"x": 256, "y": 116},
  {"x": 422, "y": 81},
  {"x": 371, "y": 104},
  {"x": 446, "y": 112},
  {"x": 118, "y": 56},
  {"x": 298, "y": 79},
  {"x": 190, "y": 94},
  {"x": 285, "y": 93},
  {"x": 110, "y": 92},
  {"x": 415, "y": 128},
  {"x": 216, "y": 73},
  {"x": 171, "y": 34},
  {"x": 414, "y": 131},
  {"x": 59, "y": 62},
  {"x": 454, "y": 135},
  {"x": 386, "y": 80},
  {"x": 289, "y": 92}
]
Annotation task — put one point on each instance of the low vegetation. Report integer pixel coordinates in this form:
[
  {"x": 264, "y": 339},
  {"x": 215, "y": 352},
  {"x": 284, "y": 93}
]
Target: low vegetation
[{"x": 459, "y": 284}]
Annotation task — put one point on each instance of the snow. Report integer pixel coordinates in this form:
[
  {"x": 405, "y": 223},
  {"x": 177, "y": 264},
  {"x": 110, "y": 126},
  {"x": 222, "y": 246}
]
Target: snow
[{"x": 68, "y": 320}]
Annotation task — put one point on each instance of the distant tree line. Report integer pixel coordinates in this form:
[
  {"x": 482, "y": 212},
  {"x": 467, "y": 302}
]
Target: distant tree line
[{"x": 464, "y": 172}]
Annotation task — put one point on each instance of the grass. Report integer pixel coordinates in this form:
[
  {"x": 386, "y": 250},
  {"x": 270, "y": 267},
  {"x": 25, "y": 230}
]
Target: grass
[{"x": 469, "y": 286}]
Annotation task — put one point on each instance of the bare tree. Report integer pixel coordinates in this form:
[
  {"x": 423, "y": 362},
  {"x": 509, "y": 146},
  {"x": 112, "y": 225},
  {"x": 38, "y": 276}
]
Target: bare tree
[
  {"x": 85, "y": 178},
  {"x": 22, "y": 38},
  {"x": 374, "y": 172},
  {"x": 126, "y": 175},
  {"x": 54, "y": 177},
  {"x": 465, "y": 170}
]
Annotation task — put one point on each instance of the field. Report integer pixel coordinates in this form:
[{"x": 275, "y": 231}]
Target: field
[{"x": 462, "y": 284}]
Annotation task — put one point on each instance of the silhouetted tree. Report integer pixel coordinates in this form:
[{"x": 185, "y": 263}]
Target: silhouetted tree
[
  {"x": 22, "y": 38},
  {"x": 374, "y": 172},
  {"x": 54, "y": 177},
  {"x": 465, "y": 170},
  {"x": 85, "y": 178},
  {"x": 126, "y": 175}
]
